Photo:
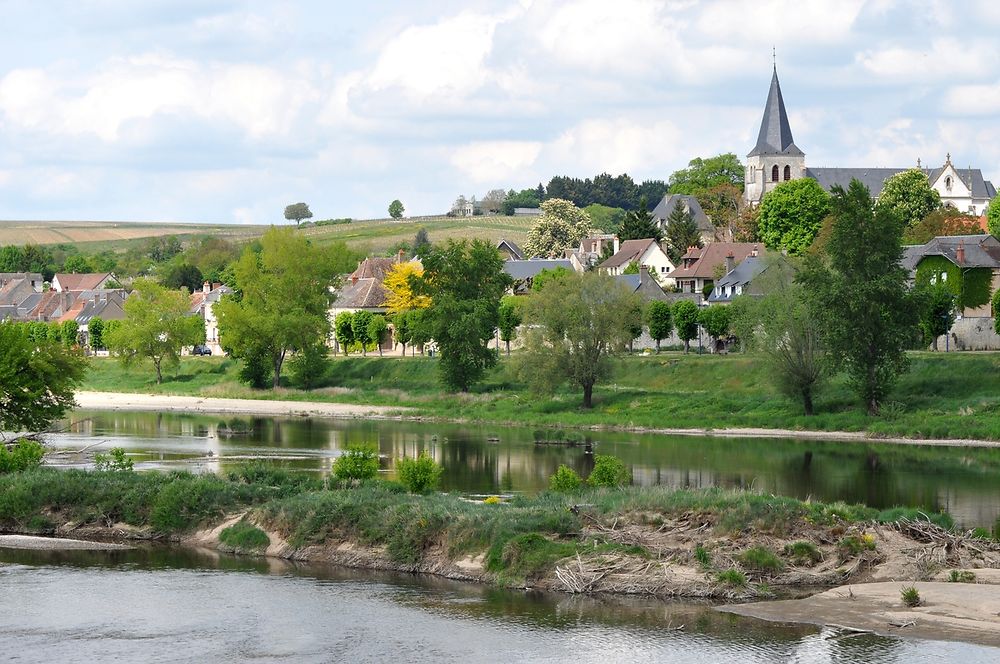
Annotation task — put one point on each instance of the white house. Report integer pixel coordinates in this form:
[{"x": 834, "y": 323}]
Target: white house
[
  {"x": 647, "y": 254},
  {"x": 203, "y": 304}
]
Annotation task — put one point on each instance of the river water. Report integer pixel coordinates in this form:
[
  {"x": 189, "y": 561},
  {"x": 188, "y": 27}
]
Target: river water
[
  {"x": 167, "y": 605},
  {"x": 964, "y": 482}
]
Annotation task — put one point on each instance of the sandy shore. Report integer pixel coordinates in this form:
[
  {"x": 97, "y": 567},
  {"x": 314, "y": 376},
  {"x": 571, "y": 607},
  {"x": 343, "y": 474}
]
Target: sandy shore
[
  {"x": 185, "y": 404},
  {"x": 55, "y": 544},
  {"x": 949, "y": 611}
]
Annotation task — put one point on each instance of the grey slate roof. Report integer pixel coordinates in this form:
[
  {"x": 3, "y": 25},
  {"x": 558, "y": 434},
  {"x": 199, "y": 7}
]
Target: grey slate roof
[
  {"x": 874, "y": 178},
  {"x": 530, "y": 268},
  {"x": 980, "y": 251},
  {"x": 666, "y": 205},
  {"x": 741, "y": 275},
  {"x": 775, "y": 135},
  {"x": 514, "y": 250}
]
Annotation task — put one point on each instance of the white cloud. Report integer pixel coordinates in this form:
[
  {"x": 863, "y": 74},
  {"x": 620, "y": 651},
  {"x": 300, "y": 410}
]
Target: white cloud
[
  {"x": 495, "y": 161},
  {"x": 972, "y": 100},
  {"x": 945, "y": 58},
  {"x": 778, "y": 22}
]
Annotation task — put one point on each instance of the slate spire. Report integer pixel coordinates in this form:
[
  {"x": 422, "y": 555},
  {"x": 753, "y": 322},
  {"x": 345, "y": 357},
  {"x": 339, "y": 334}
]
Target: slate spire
[{"x": 775, "y": 135}]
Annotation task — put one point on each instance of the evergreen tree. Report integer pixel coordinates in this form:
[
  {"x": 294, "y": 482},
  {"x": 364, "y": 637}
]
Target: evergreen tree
[
  {"x": 639, "y": 225},
  {"x": 682, "y": 232}
]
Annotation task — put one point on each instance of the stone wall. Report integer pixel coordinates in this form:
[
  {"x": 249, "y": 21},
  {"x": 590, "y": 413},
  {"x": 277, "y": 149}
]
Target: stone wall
[{"x": 971, "y": 333}]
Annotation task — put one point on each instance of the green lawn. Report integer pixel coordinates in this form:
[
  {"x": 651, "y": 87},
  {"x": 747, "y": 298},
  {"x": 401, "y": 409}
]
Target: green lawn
[{"x": 954, "y": 395}]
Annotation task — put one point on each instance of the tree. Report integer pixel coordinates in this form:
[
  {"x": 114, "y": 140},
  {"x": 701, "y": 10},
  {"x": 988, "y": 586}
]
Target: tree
[
  {"x": 297, "y": 212},
  {"x": 723, "y": 204},
  {"x": 343, "y": 328},
  {"x": 309, "y": 365},
  {"x": 37, "y": 379},
  {"x": 859, "y": 294},
  {"x": 715, "y": 320},
  {"x": 561, "y": 226},
  {"x": 937, "y": 311},
  {"x": 791, "y": 215},
  {"x": 785, "y": 332},
  {"x": 702, "y": 174},
  {"x": 682, "y": 232},
  {"x": 548, "y": 274},
  {"x": 401, "y": 328},
  {"x": 76, "y": 264},
  {"x": 605, "y": 219},
  {"x": 399, "y": 282},
  {"x": 284, "y": 294},
  {"x": 941, "y": 222},
  {"x": 993, "y": 217},
  {"x": 493, "y": 200},
  {"x": 183, "y": 275},
  {"x": 421, "y": 242},
  {"x": 69, "y": 333},
  {"x": 377, "y": 327},
  {"x": 158, "y": 324},
  {"x": 526, "y": 198},
  {"x": 396, "y": 209},
  {"x": 685, "y": 314},
  {"x": 909, "y": 196},
  {"x": 639, "y": 225},
  {"x": 465, "y": 282},
  {"x": 659, "y": 321},
  {"x": 359, "y": 329},
  {"x": 95, "y": 333},
  {"x": 509, "y": 319},
  {"x": 575, "y": 326}
]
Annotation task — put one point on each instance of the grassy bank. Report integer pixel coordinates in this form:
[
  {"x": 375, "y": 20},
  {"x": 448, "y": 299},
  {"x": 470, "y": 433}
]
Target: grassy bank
[
  {"x": 517, "y": 542},
  {"x": 954, "y": 395}
]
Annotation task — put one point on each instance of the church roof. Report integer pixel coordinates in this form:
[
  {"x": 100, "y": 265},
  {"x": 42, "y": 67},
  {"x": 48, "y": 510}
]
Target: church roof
[
  {"x": 775, "y": 135},
  {"x": 874, "y": 178}
]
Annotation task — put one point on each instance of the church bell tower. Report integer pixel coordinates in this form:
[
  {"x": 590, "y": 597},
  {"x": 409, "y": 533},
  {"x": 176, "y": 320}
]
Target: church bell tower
[{"x": 775, "y": 158}]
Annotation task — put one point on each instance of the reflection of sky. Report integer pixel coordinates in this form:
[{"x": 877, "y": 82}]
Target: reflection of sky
[{"x": 487, "y": 459}]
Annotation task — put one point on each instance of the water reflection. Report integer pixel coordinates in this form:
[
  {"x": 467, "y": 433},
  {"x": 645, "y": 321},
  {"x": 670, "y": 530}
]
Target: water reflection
[{"x": 490, "y": 459}]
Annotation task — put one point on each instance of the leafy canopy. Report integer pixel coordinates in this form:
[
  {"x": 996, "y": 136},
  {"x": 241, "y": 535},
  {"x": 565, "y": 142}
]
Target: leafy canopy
[
  {"x": 561, "y": 226},
  {"x": 791, "y": 215},
  {"x": 909, "y": 196},
  {"x": 396, "y": 209},
  {"x": 659, "y": 320},
  {"x": 399, "y": 282},
  {"x": 297, "y": 212},
  {"x": 685, "y": 314},
  {"x": 702, "y": 174}
]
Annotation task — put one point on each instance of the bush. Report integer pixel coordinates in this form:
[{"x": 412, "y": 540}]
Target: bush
[
  {"x": 961, "y": 576},
  {"x": 910, "y": 596},
  {"x": 761, "y": 559},
  {"x": 114, "y": 461},
  {"x": 853, "y": 545},
  {"x": 244, "y": 536},
  {"x": 420, "y": 475},
  {"x": 732, "y": 577},
  {"x": 564, "y": 480},
  {"x": 22, "y": 455},
  {"x": 308, "y": 366},
  {"x": 803, "y": 553},
  {"x": 703, "y": 557},
  {"x": 359, "y": 462},
  {"x": 609, "y": 471}
]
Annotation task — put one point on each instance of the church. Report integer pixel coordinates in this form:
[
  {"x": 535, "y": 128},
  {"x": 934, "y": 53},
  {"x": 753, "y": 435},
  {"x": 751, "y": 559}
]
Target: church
[{"x": 776, "y": 159}]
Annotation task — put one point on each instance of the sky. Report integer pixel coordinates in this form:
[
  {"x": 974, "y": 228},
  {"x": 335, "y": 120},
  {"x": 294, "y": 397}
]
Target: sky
[{"x": 224, "y": 112}]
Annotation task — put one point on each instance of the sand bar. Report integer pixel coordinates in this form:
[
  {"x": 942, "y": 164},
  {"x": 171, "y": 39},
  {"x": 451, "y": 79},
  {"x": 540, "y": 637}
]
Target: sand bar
[{"x": 55, "y": 544}]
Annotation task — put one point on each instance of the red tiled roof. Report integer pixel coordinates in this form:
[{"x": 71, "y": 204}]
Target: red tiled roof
[{"x": 711, "y": 256}]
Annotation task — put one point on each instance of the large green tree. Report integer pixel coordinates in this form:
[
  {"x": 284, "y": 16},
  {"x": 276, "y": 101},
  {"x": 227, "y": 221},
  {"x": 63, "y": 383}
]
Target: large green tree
[
  {"x": 465, "y": 282},
  {"x": 682, "y": 232},
  {"x": 576, "y": 324},
  {"x": 685, "y": 315},
  {"x": 561, "y": 226},
  {"x": 158, "y": 324},
  {"x": 659, "y": 321},
  {"x": 859, "y": 294},
  {"x": 182, "y": 275},
  {"x": 639, "y": 225},
  {"x": 909, "y": 196},
  {"x": 702, "y": 174},
  {"x": 791, "y": 215},
  {"x": 283, "y": 294},
  {"x": 396, "y": 209},
  {"x": 297, "y": 212},
  {"x": 937, "y": 311},
  {"x": 37, "y": 379}
]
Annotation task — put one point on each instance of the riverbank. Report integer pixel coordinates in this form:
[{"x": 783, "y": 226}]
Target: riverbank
[
  {"x": 943, "y": 397},
  {"x": 189, "y": 404}
]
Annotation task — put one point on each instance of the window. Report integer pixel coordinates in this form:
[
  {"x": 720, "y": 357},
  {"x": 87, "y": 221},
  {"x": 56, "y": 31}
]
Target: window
[
  {"x": 788, "y": 173},
  {"x": 774, "y": 173},
  {"x": 947, "y": 183}
]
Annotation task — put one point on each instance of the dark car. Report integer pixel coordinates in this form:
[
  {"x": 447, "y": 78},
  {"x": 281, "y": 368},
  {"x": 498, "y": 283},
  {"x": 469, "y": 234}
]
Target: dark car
[{"x": 201, "y": 349}]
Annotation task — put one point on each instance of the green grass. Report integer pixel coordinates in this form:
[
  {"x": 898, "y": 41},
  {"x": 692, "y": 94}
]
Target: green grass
[
  {"x": 732, "y": 577},
  {"x": 953, "y": 395},
  {"x": 244, "y": 536},
  {"x": 761, "y": 559}
]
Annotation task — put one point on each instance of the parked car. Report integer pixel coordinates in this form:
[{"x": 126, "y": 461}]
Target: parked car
[{"x": 201, "y": 349}]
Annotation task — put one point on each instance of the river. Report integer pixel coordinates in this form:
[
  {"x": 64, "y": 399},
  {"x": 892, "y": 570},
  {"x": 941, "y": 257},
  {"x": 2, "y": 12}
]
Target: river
[
  {"x": 160, "y": 604},
  {"x": 482, "y": 460}
]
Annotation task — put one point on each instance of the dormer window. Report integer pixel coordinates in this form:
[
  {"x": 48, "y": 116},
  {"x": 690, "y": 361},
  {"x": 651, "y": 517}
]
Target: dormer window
[{"x": 774, "y": 173}]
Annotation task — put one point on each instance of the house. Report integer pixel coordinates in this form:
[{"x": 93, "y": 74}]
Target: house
[
  {"x": 775, "y": 159},
  {"x": 969, "y": 264},
  {"x": 81, "y": 282},
  {"x": 591, "y": 250},
  {"x": 701, "y": 266},
  {"x": 644, "y": 285},
  {"x": 738, "y": 279},
  {"x": 33, "y": 280},
  {"x": 647, "y": 254},
  {"x": 509, "y": 250},
  {"x": 524, "y": 272},
  {"x": 203, "y": 305},
  {"x": 364, "y": 290},
  {"x": 661, "y": 214}
]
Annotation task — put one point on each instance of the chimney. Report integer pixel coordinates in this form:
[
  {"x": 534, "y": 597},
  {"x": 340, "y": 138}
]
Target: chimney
[
  {"x": 354, "y": 279},
  {"x": 616, "y": 243},
  {"x": 960, "y": 253},
  {"x": 753, "y": 252},
  {"x": 206, "y": 287},
  {"x": 730, "y": 262}
]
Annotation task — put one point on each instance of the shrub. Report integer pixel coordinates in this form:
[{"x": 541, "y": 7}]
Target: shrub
[
  {"x": 609, "y": 471},
  {"x": 114, "y": 461},
  {"x": 22, "y": 455},
  {"x": 910, "y": 596},
  {"x": 853, "y": 545},
  {"x": 564, "y": 480},
  {"x": 961, "y": 576},
  {"x": 420, "y": 475},
  {"x": 761, "y": 559},
  {"x": 244, "y": 536},
  {"x": 359, "y": 462},
  {"x": 732, "y": 577},
  {"x": 308, "y": 366},
  {"x": 803, "y": 553}
]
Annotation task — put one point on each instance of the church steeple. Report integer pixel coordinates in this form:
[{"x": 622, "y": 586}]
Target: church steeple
[{"x": 775, "y": 135}]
